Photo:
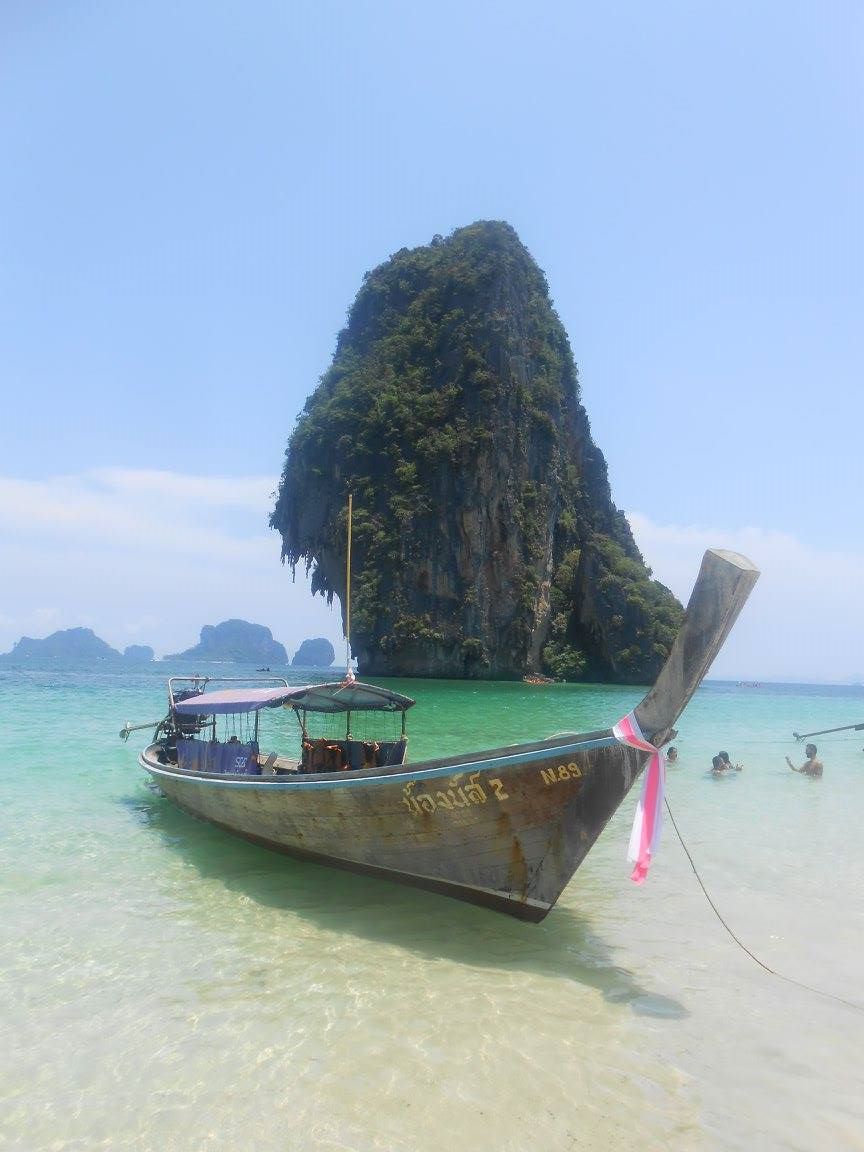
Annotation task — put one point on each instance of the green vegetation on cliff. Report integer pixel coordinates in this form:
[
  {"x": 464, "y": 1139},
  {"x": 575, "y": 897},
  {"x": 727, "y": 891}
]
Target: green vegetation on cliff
[{"x": 485, "y": 538}]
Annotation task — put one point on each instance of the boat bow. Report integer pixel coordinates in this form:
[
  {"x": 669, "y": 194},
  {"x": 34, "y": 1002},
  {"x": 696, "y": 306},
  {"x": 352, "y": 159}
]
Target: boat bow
[{"x": 725, "y": 581}]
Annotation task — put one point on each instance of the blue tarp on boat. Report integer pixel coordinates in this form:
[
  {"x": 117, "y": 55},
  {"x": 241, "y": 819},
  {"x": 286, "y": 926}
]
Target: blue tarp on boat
[{"x": 211, "y": 756}]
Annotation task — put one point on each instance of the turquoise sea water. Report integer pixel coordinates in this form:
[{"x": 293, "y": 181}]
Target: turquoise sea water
[{"x": 165, "y": 986}]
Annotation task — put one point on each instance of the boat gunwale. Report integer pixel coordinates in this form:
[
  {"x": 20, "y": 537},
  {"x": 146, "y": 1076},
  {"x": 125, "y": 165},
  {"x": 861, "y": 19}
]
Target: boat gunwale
[{"x": 495, "y": 758}]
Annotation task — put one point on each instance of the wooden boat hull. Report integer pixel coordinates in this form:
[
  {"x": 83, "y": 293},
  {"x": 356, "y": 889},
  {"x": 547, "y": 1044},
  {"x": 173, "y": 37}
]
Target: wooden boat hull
[{"x": 506, "y": 830}]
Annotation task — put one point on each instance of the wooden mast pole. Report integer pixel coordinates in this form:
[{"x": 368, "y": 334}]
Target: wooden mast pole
[{"x": 348, "y": 590}]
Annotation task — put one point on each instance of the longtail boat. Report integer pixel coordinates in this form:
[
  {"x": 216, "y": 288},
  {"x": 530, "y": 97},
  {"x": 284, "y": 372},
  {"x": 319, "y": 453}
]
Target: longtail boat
[{"x": 505, "y": 828}]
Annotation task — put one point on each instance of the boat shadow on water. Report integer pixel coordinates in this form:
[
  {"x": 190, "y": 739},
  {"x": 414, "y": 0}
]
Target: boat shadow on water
[{"x": 566, "y": 945}]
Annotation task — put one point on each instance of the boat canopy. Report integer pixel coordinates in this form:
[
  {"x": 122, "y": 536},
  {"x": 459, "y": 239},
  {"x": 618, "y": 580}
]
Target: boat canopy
[
  {"x": 336, "y": 697},
  {"x": 233, "y": 700},
  {"x": 347, "y": 696}
]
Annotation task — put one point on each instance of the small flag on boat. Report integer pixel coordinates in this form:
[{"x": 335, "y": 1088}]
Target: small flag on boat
[{"x": 649, "y": 811}]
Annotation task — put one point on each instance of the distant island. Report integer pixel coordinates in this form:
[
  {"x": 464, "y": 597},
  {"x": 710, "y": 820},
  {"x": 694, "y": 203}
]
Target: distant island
[
  {"x": 78, "y": 644},
  {"x": 232, "y": 640},
  {"x": 318, "y": 653},
  {"x": 235, "y": 640}
]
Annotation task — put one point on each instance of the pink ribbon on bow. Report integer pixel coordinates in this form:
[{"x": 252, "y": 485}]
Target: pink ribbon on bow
[{"x": 649, "y": 811}]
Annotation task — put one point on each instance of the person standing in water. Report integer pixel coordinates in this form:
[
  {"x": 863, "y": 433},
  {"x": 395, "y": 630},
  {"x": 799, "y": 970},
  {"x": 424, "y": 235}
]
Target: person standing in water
[
  {"x": 724, "y": 756},
  {"x": 812, "y": 766},
  {"x": 672, "y": 754}
]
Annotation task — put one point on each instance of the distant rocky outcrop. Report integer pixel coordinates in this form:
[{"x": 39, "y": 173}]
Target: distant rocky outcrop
[
  {"x": 68, "y": 644},
  {"x": 76, "y": 645},
  {"x": 485, "y": 539},
  {"x": 138, "y": 654},
  {"x": 235, "y": 640},
  {"x": 318, "y": 653}
]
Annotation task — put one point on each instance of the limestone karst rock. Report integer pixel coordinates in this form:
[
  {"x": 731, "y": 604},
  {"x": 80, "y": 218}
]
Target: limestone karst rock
[
  {"x": 316, "y": 653},
  {"x": 75, "y": 644},
  {"x": 236, "y": 640},
  {"x": 485, "y": 539}
]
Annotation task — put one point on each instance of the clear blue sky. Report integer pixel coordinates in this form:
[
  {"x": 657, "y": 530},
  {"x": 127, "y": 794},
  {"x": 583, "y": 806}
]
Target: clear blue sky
[{"x": 193, "y": 192}]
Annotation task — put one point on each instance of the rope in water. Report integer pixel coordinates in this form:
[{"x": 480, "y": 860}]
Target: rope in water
[{"x": 742, "y": 946}]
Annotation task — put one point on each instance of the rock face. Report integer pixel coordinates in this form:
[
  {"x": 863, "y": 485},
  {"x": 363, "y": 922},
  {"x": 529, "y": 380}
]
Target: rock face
[
  {"x": 235, "y": 640},
  {"x": 485, "y": 539},
  {"x": 318, "y": 653}
]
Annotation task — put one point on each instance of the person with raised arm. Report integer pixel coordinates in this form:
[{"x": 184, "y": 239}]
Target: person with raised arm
[{"x": 812, "y": 766}]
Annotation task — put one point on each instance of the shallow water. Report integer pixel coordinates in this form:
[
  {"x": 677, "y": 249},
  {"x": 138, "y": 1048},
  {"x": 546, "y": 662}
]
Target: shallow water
[{"x": 166, "y": 986}]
